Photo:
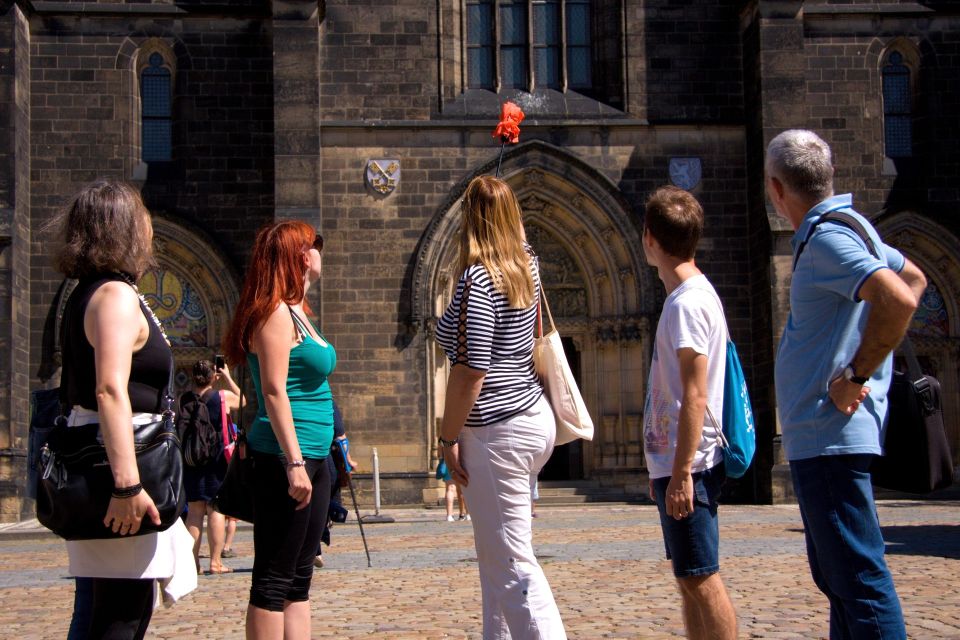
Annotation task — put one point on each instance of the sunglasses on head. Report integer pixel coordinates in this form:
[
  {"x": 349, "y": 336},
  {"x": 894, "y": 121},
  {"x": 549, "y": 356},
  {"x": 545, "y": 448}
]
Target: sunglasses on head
[{"x": 318, "y": 242}]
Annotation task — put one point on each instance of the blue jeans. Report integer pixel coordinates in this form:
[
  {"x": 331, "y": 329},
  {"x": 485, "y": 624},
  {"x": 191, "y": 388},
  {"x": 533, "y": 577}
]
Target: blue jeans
[
  {"x": 693, "y": 543},
  {"x": 845, "y": 547}
]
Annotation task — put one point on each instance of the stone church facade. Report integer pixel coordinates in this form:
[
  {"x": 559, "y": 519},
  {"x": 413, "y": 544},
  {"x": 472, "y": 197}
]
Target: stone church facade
[{"x": 368, "y": 118}]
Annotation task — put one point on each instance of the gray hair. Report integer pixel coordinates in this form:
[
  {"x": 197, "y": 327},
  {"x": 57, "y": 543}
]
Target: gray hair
[{"x": 802, "y": 161}]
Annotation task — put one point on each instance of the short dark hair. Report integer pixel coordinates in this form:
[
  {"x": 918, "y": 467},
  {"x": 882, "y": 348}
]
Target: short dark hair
[
  {"x": 203, "y": 373},
  {"x": 675, "y": 218},
  {"x": 104, "y": 228}
]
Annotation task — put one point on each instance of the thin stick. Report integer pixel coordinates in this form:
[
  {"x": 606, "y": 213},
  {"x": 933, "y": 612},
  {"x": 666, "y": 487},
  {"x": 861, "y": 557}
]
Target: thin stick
[{"x": 502, "y": 145}]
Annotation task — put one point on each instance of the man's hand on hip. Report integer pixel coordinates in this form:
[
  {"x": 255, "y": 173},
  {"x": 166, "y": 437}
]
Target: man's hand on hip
[{"x": 847, "y": 396}]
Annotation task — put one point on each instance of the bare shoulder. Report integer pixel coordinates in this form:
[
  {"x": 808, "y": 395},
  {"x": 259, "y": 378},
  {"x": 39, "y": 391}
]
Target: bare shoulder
[
  {"x": 276, "y": 330},
  {"x": 115, "y": 298}
]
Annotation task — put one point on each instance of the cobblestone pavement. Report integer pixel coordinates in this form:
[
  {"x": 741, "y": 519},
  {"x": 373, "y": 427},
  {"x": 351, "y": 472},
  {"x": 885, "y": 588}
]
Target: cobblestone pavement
[{"x": 605, "y": 564}]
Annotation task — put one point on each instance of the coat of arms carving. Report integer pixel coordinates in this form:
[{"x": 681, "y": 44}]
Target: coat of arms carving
[
  {"x": 685, "y": 172},
  {"x": 383, "y": 175}
]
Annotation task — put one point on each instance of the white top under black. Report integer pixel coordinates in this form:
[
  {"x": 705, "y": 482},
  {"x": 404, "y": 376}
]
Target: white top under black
[{"x": 481, "y": 331}]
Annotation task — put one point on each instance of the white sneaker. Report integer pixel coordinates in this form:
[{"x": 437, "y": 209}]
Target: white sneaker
[
  {"x": 465, "y": 517},
  {"x": 450, "y": 518}
]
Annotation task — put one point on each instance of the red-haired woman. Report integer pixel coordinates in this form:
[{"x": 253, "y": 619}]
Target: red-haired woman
[{"x": 291, "y": 435}]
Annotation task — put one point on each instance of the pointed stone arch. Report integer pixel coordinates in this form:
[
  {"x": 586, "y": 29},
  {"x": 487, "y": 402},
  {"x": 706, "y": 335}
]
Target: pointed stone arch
[
  {"x": 936, "y": 251},
  {"x": 193, "y": 290},
  {"x": 602, "y": 292}
]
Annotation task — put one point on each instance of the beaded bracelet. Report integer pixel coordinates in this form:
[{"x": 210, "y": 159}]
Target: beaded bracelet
[
  {"x": 296, "y": 463},
  {"x": 127, "y": 492},
  {"x": 448, "y": 443}
]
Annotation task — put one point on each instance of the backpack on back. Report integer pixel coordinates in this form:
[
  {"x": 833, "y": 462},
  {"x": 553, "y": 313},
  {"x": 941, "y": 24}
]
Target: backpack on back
[{"x": 199, "y": 438}]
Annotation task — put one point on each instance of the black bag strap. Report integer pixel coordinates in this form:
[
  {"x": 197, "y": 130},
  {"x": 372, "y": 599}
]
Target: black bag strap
[
  {"x": 913, "y": 364},
  {"x": 843, "y": 218}
]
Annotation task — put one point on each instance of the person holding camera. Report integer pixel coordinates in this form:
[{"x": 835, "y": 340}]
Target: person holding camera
[{"x": 202, "y": 481}]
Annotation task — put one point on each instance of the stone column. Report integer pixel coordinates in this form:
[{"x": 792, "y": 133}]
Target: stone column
[
  {"x": 782, "y": 94},
  {"x": 296, "y": 88},
  {"x": 14, "y": 262}
]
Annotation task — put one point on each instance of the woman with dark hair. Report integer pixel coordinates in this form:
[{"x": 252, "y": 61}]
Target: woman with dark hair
[
  {"x": 290, "y": 437},
  {"x": 202, "y": 483},
  {"x": 117, "y": 365},
  {"x": 498, "y": 429}
]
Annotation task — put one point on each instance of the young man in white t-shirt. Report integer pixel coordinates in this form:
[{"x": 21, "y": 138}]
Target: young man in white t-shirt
[{"x": 681, "y": 442}]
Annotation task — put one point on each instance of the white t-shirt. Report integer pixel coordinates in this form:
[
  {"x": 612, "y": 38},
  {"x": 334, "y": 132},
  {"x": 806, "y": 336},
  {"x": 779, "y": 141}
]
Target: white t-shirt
[{"x": 692, "y": 317}]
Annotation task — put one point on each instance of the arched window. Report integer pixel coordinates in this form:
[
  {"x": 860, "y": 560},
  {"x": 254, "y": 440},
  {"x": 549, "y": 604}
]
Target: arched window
[
  {"x": 526, "y": 44},
  {"x": 156, "y": 113},
  {"x": 897, "y": 107}
]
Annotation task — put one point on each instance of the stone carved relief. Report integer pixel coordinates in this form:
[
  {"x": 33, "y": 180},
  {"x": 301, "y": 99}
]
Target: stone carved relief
[{"x": 562, "y": 279}]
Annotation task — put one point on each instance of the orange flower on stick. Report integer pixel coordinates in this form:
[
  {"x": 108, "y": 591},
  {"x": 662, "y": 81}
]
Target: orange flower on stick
[{"x": 509, "y": 128}]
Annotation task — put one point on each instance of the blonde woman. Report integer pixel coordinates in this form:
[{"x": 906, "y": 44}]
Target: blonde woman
[{"x": 498, "y": 429}]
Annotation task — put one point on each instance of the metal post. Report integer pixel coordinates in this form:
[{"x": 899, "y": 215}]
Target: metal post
[
  {"x": 376, "y": 482},
  {"x": 376, "y": 516}
]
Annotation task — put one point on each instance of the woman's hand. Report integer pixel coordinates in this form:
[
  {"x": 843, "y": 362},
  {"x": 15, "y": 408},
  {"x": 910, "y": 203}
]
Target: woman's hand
[
  {"x": 300, "y": 486},
  {"x": 124, "y": 515},
  {"x": 451, "y": 455}
]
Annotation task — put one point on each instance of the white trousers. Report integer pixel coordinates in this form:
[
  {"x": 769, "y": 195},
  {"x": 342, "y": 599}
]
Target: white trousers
[{"x": 502, "y": 461}]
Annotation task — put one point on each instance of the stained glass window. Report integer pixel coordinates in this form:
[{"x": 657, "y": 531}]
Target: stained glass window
[
  {"x": 578, "y": 44},
  {"x": 532, "y": 41},
  {"x": 155, "y": 101},
  {"x": 897, "y": 108},
  {"x": 480, "y": 41}
]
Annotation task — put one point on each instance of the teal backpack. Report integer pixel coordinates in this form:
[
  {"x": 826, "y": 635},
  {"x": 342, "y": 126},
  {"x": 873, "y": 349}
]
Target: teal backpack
[{"x": 738, "y": 435}]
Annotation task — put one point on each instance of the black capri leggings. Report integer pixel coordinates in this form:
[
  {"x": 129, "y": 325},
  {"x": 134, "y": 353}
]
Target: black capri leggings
[{"x": 285, "y": 540}]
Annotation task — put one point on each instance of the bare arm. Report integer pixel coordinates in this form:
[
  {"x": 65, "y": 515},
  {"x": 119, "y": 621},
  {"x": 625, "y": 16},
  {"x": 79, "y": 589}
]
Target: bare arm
[
  {"x": 116, "y": 327},
  {"x": 232, "y": 391},
  {"x": 693, "y": 405},
  {"x": 272, "y": 344},
  {"x": 893, "y": 299},
  {"x": 463, "y": 388}
]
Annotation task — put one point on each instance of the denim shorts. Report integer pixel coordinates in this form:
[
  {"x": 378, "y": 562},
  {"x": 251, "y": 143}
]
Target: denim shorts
[{"x": 693, "y": 543}]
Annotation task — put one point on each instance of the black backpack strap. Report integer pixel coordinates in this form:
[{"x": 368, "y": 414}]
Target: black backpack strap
[{"x": 843, "y": 218}]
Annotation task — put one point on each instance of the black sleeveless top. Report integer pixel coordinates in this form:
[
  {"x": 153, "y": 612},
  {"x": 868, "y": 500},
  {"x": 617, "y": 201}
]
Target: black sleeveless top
[{"x": 149, "y": 371}]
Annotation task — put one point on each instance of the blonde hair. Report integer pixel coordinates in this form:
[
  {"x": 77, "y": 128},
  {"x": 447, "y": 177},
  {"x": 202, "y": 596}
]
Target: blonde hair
[{"x": 492, "y": 235}]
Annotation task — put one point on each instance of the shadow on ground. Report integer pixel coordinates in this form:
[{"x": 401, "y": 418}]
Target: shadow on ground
[{"x": 940, "y": 540}]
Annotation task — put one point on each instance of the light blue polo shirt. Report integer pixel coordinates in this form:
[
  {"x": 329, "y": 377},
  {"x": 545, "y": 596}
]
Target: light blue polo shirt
[{"x": 822, "y": 334}]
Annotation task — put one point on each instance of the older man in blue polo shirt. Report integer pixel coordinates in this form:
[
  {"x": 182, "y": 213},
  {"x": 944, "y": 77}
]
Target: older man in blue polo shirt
[{"x": 848, "y": 311}]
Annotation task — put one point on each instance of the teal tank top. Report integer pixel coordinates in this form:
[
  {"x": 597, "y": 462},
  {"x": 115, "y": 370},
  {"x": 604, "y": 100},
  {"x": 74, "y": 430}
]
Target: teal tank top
[{"x": 310, "y": 399}]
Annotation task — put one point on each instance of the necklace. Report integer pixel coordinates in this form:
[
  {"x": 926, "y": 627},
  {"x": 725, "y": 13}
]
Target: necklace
[{"x": 143, "y": 303}]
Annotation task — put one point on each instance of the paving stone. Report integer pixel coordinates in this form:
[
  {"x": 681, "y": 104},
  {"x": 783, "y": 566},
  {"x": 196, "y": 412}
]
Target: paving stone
[{"x": 604, "y": 562}]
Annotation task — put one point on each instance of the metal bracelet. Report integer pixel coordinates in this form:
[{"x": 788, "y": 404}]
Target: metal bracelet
[{"x": 448, "y": 443}]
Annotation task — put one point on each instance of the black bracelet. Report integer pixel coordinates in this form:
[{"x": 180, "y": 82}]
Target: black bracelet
[
  {"x": 127, "y": 492},
  {"x": 448, "y": 443}
]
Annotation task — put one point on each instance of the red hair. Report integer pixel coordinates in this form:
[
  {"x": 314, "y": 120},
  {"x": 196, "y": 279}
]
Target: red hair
[{"x": 275, "y": 276}]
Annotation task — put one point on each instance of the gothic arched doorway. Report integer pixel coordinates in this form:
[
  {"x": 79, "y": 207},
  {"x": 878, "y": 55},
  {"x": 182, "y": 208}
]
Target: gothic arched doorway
[{"x": 600, "y": 292}]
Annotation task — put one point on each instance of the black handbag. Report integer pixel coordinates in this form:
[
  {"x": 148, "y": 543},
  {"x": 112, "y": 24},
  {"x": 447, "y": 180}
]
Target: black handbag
[
  {"x": 235, "y": 497},
  {"x": 916, "y": 456},
  {"x": 76, "y": 482}
]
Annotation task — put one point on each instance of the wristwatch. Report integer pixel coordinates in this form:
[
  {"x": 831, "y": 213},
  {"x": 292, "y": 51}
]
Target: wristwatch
[{"x": 849, "y": 373}]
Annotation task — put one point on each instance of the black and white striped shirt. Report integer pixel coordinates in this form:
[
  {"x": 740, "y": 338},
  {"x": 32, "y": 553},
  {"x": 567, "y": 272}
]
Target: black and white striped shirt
[{"x": 481, "y": 331}]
